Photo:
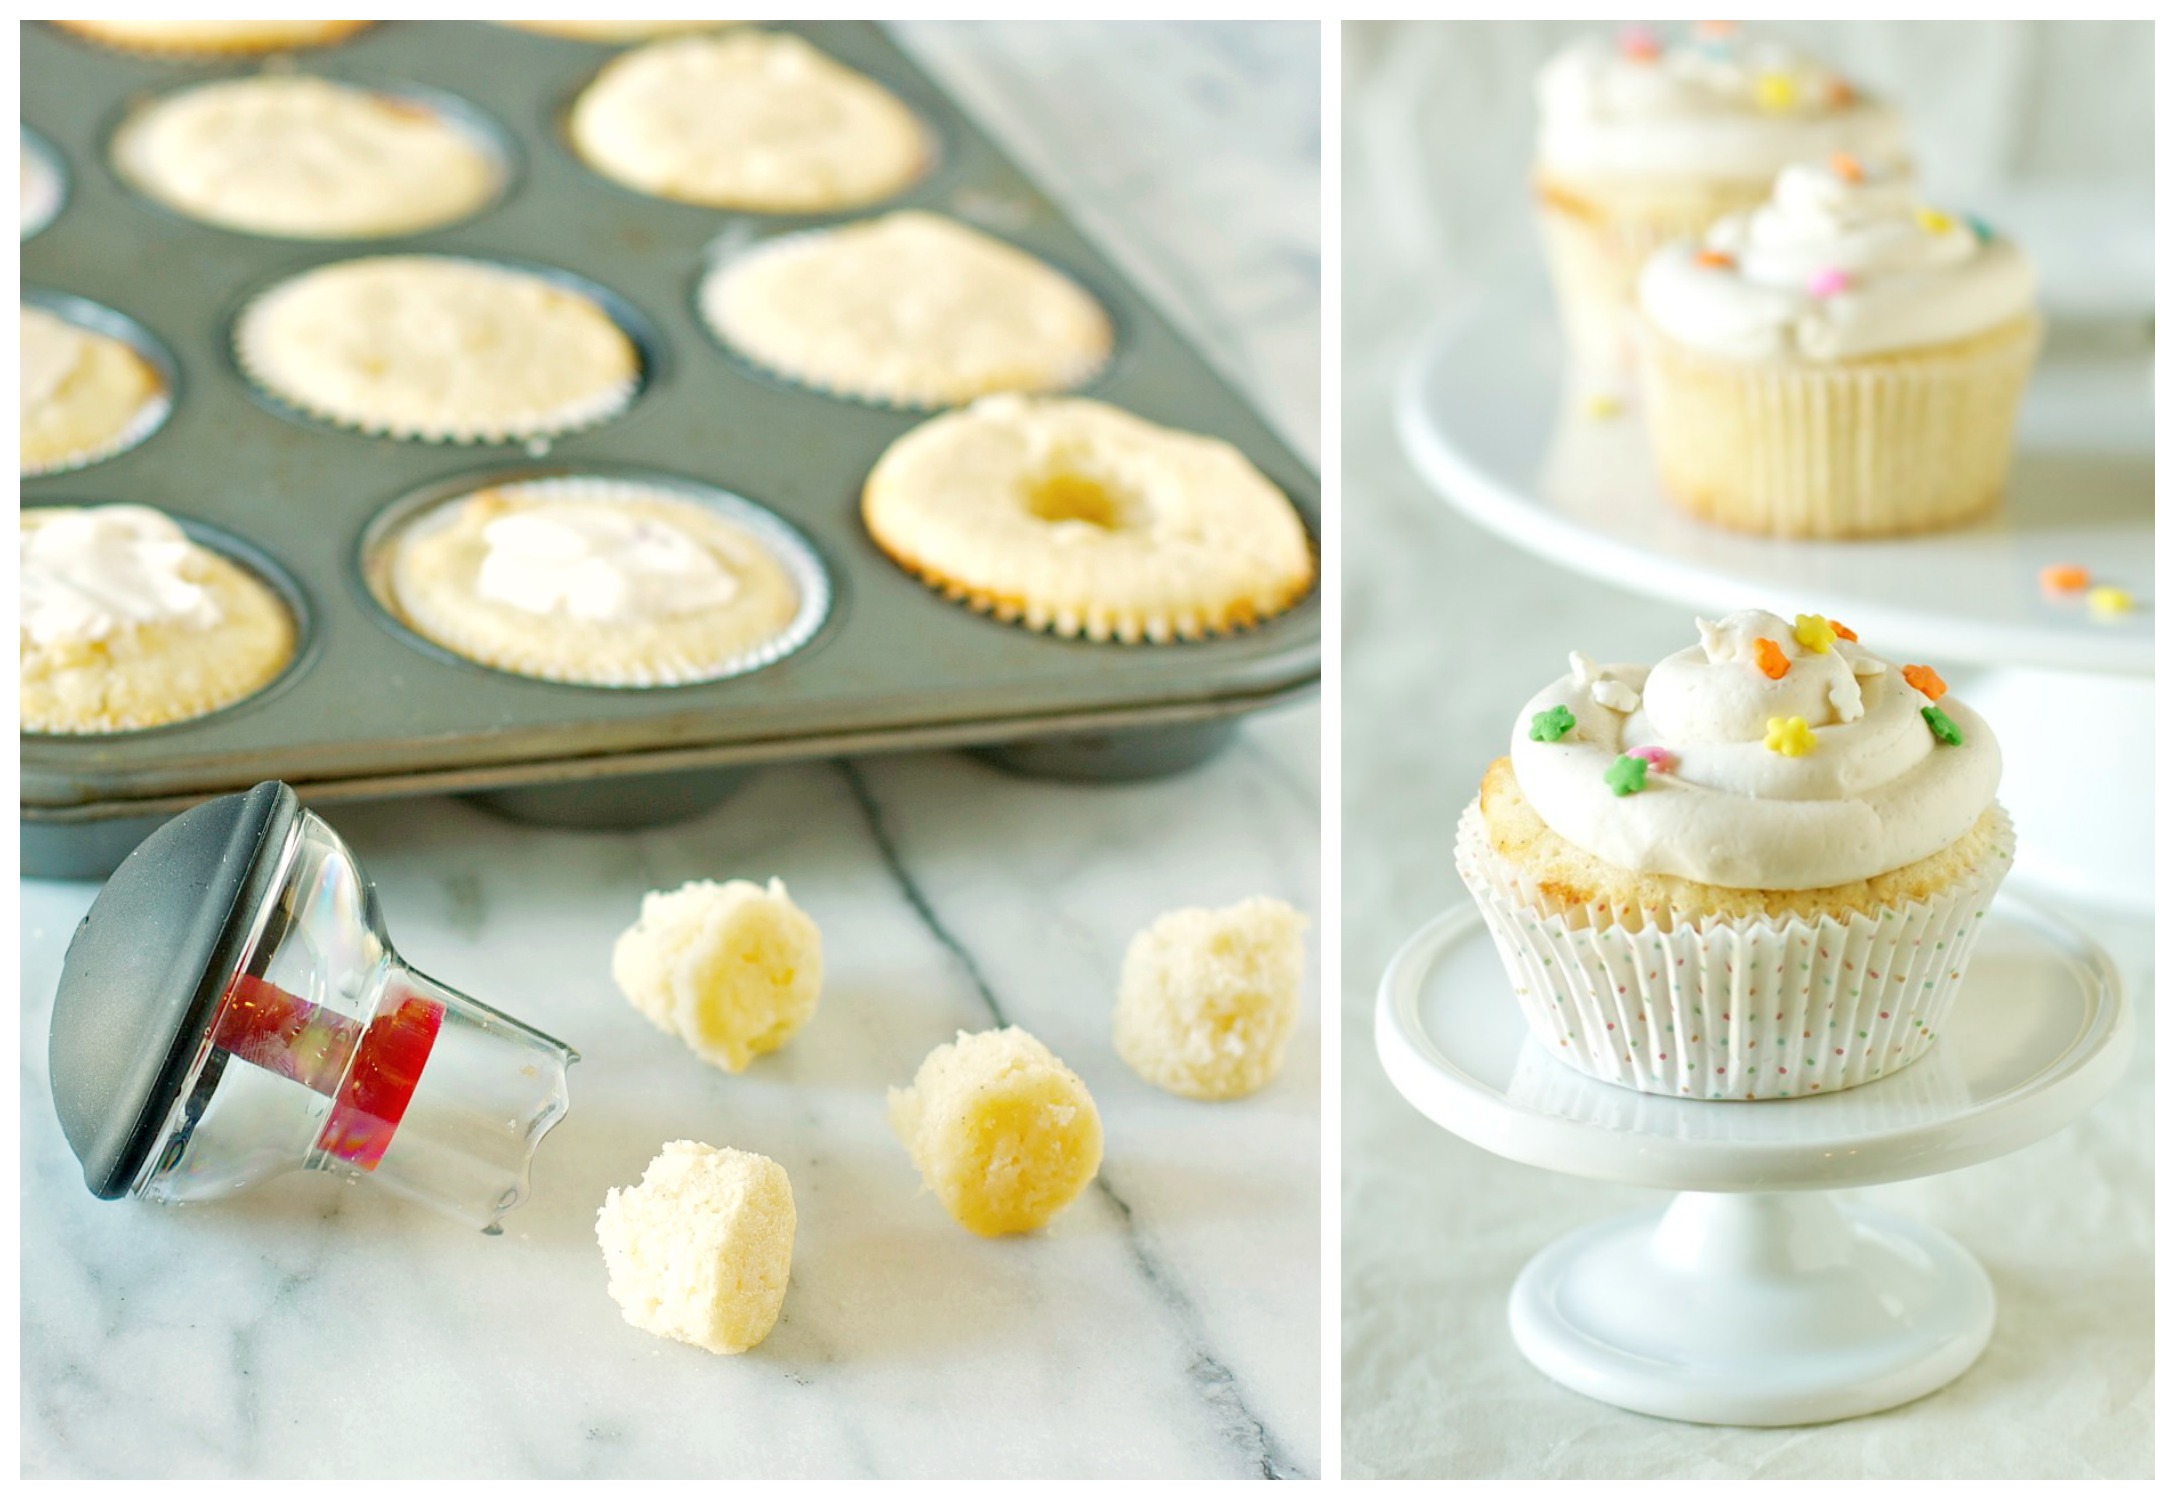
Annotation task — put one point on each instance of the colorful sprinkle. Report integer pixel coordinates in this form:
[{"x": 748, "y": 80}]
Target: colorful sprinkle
[
  {"x": 1845, "y": 166},
  {"x": 1768, "y": 657},
  {"x": 2063, "y": 578},
  {"x": 1601, "y": 407},
  {"x": 1627, "y": 774},
  {"x": 1842, "y": 631},
  {"x": 1981, "y": 231},
  {"x": 1840, "y": 92},
  {"x": 1790, "y": 736},
  {"x": 1714, "y": 260},
  {"x": 1829, "y": 282},
  {"x": 1657, "y": 759},
  {"x": 1926, "y": 680},
  {"x": 1714, "y": 31},
  {"x": 1638, "y": 43},
  {"x": 1552, "y": 724},
  {"x": 1774, "y": 91},
  {"x": 1815, "y": 634},
  {"x": 1943, "y": 727},
  {"x": 1933, "y": 221},
  {"x": 2107, "y": 601}
]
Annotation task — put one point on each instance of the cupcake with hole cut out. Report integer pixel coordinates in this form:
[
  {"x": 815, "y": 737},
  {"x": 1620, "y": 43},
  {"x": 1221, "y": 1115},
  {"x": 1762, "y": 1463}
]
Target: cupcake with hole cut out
[
  {"x": 1754, "y": 870},
  {"x": 1844, "y": 361}
]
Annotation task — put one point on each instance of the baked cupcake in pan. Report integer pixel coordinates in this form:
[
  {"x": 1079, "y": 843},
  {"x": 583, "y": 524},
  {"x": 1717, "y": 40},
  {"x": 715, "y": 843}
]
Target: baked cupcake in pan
[
  {"x": 44, "y": 187},
  {"x": 126, "y": 623},
  {"x": 753, "y": 120},
  {"x": 86, "y": 395},
  {"x": 1072, "y": 516},
  {"x": 186, "y": 38},
  {"x": 438, "y": 349},
  {"x": 1755, "y": 870},
  {"x": 604, "y": 581},
  {"x": 911, "y": 309},
  {"x": 299, "y": 157}
]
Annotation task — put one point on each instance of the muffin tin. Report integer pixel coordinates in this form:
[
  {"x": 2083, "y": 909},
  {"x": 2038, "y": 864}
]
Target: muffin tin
[{"x": 368, "y": 710}]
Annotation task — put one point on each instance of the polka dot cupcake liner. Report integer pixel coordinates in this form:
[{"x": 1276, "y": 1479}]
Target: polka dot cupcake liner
[{"x": 1721, "y": 1008}]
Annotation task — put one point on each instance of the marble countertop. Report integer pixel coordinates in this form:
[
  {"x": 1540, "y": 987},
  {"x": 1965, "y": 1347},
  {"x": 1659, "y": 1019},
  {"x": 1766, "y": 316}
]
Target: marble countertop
[
  {"x": 1167, "y": 1324},
  {"x": 1447, "y": 630}
]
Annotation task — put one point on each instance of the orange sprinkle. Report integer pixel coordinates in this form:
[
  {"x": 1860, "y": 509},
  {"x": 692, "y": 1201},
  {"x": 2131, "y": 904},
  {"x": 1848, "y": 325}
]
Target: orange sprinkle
[
  {"x": 1841, "y": 93},
  {"x": 1714, "y": 31},
  {"x": 1926, "y": 680},
  {"x": 2063, "y": 578},
  {"x": 1720, "y": 260},
  {"x": 1845, "y": 166},
  {"x": 1769, "y": 657},
  {"x": 1842, "y": 630}
]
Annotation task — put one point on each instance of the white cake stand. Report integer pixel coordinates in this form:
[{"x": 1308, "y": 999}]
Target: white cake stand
[
  {"x": 1481, "y": 413},
  {"x": 1755, "y": 1297}
]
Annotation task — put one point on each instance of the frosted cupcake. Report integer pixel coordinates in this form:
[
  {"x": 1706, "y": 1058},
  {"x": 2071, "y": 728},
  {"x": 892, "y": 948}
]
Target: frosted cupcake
[
  {"x": 911, "y": 309},
  {"x": 128, "y": 624},
  {"x": 1645, "y": 140},
  {"x": 438, "y": 349},
  {"x": 304, "y": 158},
  {"x": 1753, "y": 871},
  {"x": 608, "y": 582},
  {"x": 1844, "y": 361},
  {"x": 85, "y": 395},
  {"x": 752, "y": 120}
]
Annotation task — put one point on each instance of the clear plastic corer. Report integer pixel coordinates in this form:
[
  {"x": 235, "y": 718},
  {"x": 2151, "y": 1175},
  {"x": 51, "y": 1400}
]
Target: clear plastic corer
[{"x": 327, "y": 1053}]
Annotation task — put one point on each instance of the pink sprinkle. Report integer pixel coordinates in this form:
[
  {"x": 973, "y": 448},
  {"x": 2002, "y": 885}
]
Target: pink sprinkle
[
  {"x": 1657, "y": 759},
  {"x": 1828, "y": 283},
  {"x": 1639, "y": 42}
]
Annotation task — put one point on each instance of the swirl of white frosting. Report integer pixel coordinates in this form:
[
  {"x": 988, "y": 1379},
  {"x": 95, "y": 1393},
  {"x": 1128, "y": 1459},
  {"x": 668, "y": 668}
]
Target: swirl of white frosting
[
  {"x": 1843, "y": 261},
  {"x": 1730, "y": 108},
  {"x": 1876, "y": 791},
  {"x": 598, "y": 561},
  {"x": 93, "y": 573}
]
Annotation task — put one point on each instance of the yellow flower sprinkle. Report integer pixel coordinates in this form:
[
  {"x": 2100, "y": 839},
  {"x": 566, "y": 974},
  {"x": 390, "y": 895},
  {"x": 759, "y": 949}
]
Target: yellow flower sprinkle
[
  {"x": 1602, "y": 407},
  {"x": 1790, "y": 737},
  {"x": 1933, "y": 221},
  {"x": 1774, "y": 91},
  {"x": 2107, "y": 601},
  {"x": 1815, "y": 634}
]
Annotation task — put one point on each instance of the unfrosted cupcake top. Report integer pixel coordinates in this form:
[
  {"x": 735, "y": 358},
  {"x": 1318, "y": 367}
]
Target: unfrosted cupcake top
[
  {"x": 1712, "y": 104},
  {"x": 42, "y": 186},
  {"x": 1771, "y": 756},
  {"x": 1845, "y": 260},
  {"x": 309, "y": 158}
]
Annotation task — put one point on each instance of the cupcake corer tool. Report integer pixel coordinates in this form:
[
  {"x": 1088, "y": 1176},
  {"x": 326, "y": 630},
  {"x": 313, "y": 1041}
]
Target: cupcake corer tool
[
  {"x": 1758, "y": 1296},
  {"x": 231, "y": 1009}
]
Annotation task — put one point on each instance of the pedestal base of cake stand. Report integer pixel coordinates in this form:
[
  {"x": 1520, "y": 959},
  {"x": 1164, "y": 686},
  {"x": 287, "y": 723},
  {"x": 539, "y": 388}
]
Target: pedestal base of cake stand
[
  {"x": 1757, "y": 1296},
  {"x": 1756, "y": 1309}
]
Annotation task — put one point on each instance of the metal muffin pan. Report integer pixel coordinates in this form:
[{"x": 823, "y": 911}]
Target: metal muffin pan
[{"x": 373, "y": 712}]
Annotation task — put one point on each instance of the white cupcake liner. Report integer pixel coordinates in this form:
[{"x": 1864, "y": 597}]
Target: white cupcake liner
[
  {"x": 736, "y": 251},
  {"x": 1729, "y": 1008}
]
